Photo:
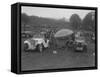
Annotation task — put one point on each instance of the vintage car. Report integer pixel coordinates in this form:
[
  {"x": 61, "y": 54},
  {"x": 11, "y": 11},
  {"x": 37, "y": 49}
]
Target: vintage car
[
  {"x": 26, "y": 34},
  {"x": 36, "y": 43},
  {"x": 80, "y": 45}
]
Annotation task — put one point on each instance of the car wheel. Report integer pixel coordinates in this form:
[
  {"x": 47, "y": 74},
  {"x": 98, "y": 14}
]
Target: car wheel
[{"x": 70, "y": 44}]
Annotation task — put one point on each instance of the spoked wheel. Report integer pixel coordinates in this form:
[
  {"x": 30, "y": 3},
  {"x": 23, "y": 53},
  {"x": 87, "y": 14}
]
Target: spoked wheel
[{"x": 70, "y": 44}]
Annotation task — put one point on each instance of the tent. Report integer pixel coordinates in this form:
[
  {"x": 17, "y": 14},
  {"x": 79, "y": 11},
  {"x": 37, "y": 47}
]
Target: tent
[
  {"x": 62, "y": 36},
  {"x": 63, "y": 33}
]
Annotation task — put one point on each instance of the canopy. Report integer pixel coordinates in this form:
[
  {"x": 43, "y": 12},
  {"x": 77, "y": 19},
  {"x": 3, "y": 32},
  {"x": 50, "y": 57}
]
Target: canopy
[{"x": 63, "y": 33}]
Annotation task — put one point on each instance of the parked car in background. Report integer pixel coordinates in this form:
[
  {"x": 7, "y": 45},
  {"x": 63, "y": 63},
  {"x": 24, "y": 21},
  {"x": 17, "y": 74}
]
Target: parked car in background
[{"x": 26, "y": 34}]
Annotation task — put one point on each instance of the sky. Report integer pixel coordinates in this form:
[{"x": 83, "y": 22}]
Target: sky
[{"x": 55, "y": 13}]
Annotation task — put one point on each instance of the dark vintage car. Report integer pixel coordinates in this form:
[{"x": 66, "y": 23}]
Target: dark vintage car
[{"x": 78, "y": 43}]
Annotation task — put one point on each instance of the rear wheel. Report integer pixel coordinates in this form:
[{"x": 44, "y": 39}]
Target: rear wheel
[{"x": 70, "y": 43}]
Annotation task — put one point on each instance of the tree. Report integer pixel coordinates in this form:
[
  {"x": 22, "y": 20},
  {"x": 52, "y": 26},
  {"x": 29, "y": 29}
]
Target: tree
[
  {"x": 89, "y": 21},
  {"x": 75, "y": 21}
]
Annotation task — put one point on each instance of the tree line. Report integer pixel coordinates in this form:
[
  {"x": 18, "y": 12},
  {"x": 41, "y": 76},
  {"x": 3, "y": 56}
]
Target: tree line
[{"x": 88, "y": 23}]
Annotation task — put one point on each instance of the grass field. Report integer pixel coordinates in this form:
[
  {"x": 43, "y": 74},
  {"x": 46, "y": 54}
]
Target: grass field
[{"x": 64, "y": 58}]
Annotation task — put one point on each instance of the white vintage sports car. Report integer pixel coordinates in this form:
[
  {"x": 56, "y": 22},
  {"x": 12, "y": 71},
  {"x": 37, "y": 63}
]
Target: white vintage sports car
[{"x": 36, "y": 43}]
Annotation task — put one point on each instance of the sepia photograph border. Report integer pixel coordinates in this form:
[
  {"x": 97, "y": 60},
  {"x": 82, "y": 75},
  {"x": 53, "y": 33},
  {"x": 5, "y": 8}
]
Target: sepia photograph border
[{"x": 16, "y": 54}]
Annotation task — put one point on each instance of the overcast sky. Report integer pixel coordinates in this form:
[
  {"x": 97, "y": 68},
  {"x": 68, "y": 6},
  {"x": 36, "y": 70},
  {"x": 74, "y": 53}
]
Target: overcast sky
[{"x": 53, "y": 12}]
